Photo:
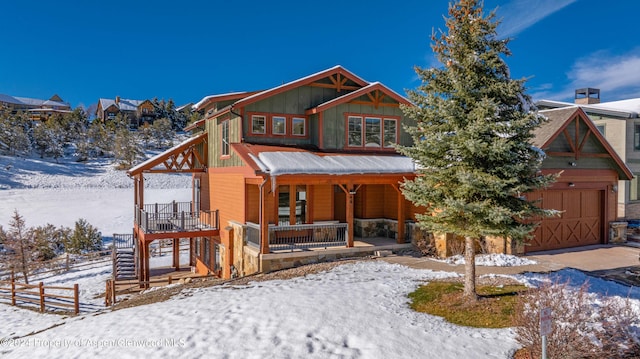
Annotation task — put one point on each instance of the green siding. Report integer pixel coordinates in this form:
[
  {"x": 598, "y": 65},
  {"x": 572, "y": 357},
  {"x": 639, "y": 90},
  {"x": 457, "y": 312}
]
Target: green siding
[{"x": 214, "y": 142}]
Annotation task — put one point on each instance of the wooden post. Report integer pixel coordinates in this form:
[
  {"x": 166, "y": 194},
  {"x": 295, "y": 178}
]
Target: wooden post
[
  {"x": 147, "y": 271},
  {"x": 169, "y": 280},
  {"x": 401, "y": 215},
  {"x": 264, "y": 223},
  {"x": 350, "y": 195},
  {"x": 107, "y": 295},
  {"x": 13, "y": 288},
  {"x": 113, "y": 292},
  {"x": 76, "y": 299},
  {"x": 192, "y": 254},
  {"x": 176, "y": 254},
  {"x": 41, "y": 288}
]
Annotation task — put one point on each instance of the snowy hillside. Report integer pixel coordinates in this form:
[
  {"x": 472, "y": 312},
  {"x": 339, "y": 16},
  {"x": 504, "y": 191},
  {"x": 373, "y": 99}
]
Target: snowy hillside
[{"x": 44, "y": 191}]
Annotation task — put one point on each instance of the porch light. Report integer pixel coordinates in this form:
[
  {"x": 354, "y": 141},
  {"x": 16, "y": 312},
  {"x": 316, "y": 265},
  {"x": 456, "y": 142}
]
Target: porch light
[
  {"x": 614, "y": 188},
  {"x": 571, "y": 184}
]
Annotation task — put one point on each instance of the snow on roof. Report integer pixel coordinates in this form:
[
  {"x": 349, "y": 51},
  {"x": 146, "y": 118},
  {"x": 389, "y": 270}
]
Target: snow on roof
[
  {"x": 625, "y": 108},
  {"x": 10, "y": 99},
  {"x": 207, "y": 98},
  {"x": 281, "y": 163}
]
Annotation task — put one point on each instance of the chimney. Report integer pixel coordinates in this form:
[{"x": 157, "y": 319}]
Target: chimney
[
  {"x": 587, "y": 96},
  {"x": 117, "y": 100}
]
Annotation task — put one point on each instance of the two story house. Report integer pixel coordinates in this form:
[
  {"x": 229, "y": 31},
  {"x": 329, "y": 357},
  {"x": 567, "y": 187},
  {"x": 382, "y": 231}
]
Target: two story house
[
  {"x": 137, "y": 112},
  {"x": 290, "y": 174}
]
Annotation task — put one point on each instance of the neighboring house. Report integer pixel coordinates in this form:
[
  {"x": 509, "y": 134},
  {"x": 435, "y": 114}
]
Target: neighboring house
[
  {"x": 586, "y": 190},
  {"x": 620, "y": 123},
  {"x": 137, "y": 112},
  {"x": 39, "y": 110},
  {"x": 307, "y": 171}
]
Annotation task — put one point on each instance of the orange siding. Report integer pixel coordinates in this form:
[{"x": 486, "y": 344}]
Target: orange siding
[
  {"x": 253, "y": 203},
  {"x": 322, "y": 202},
  {"x": 391, "y": 202},
  {"x": 271, "y": 205},
  {"x": 205, "y": 194},
  {"x": 339, "y": 205},
  {"x": 359, "y": 203},
  {"x": 411, "y": 210},
  {"x": 228, "y": 196},
  {"x": 374, "y": 201}
]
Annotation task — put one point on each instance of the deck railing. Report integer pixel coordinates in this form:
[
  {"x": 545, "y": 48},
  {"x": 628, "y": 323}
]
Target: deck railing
[
  {"x": 174, "y": 217},
  {"x": 300, "y": 236}
]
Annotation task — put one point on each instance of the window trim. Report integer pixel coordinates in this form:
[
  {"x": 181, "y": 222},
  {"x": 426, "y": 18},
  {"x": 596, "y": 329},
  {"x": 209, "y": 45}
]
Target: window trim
[
  {"x": 289, "y": 120},
  {"x": 264, "y": 117},
  {"x": 273, "y": 127},
  {"x": 225, "y": 146},
  {"x": 304, "y": 126},
  {"x": 363, "y": 117}
]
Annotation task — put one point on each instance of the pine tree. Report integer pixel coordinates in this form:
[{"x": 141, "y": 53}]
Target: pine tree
[
  {"x": 19, "y": 240},
  {"x": 472, "y": 138},
  {"x": 85, "y": 238},
  {"x": 162, "y": 132}
]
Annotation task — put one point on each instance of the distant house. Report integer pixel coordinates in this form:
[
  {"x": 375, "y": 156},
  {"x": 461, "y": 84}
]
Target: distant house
[
  {"x": 619, "y": 122},
  {"x": 39, "y": 110},
  {"x": 137, "y": 112}
]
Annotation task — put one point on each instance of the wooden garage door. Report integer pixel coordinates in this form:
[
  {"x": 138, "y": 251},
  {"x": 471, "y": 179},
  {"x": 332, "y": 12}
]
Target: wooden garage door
[{"x": 580, "y": 224}]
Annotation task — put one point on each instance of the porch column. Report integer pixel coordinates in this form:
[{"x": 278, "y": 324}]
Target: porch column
[
  {"x": 401, "y": 215},
  {"x": 147, "y": 271},
  {"x": 141, "y": 190},
  {"x": 192, "y": 251},
  {"x": 264, "y": 222},
  {"x": 350, "y": 195},
  {"x": 141, "y": 262},
  {"x": 176, "y": 253}
]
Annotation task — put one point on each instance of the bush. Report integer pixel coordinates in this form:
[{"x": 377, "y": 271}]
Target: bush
[
  {"x": 582, "y": 326},
  {"x": 85, "y": 238}
]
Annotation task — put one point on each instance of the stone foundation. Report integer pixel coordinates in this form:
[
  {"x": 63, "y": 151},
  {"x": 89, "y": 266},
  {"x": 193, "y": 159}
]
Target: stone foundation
[{"x": 617, "y": 232}]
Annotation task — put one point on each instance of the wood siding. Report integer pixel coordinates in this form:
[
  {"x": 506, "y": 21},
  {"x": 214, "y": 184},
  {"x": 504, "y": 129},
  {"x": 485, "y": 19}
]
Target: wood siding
[
  {"x": 322, "y": 202},
  {"x": 252, "y": 203},
  {"x": 391, "y": 202},
  {"x": 214, "y": 142},
  {"x": 334, "y": 123},
  {"x": 227, "y": 194}
]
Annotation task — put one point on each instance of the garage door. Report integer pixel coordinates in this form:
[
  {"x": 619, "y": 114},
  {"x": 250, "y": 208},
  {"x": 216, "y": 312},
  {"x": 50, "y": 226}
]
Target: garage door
[{"x": 580, "y": 224}]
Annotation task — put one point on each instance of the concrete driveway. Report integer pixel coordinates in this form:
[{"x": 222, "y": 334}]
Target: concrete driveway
[{"x": 589, "y": 259}]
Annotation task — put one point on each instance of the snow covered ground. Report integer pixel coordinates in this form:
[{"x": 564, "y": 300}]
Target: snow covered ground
[{"x": 357, "y": 310}]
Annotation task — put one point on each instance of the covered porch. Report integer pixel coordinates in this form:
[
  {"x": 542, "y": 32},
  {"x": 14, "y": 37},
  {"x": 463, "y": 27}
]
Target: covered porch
[{"x": 175, "y": 220}]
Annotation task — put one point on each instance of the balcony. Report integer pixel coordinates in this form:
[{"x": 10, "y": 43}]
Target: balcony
[{"x": 174, "y": 217}]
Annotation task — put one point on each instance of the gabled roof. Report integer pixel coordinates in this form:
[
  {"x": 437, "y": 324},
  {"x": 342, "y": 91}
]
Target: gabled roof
[
  {"x": 179, "y": 158},
  {"x": 560, "y": 119},
  {"x": 201, "y": 122},
  {"x": 10, "y": 99},
  {"x": 367, "y": 90},
  {"x": 623, "y": 109},
  {"x": 222, "y": 97},
  {"x": 336, "y": 70}
]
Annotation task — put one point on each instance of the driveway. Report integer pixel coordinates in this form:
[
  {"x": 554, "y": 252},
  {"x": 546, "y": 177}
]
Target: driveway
[{"x": 594, "y": 259}]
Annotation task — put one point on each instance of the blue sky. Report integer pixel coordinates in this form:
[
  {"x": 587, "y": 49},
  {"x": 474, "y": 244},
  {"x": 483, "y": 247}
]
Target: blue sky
[{"x": 84, "y": 50}]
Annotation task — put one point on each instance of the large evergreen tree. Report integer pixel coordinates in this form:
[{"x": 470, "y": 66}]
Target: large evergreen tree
[{"x": 472, "y": 138}]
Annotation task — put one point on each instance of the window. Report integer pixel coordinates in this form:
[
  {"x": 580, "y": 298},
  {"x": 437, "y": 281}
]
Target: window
[
  {"x": 298, "y": 126},
  {"x": 636, "y": 137},
  {"x": 207, "y": 252},
  {"x": 283, "y": 206},
  {"x": 217, "y": 261},
  {"x": 390, "y": 132},
  {"x": 355, "y": 131},
  {"x": 258, "y": 124},
  {"x": 633, "y": 188},
  {"x": 601, "y": 129},
  {"x": 224, "y": 134},
  {"x": 279, "y": 125},
  {"x": 198, "y": 247},
  {"x": 372, "y": 132}
]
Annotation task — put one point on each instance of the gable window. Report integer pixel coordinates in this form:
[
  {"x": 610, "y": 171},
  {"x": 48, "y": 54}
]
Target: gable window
[
  {"x": 224, "y": 134},
  {"x": 372, "y": 132},
  {"x": 601, "y": 128},
  {"x": 258, "y": 124},
  {"x": 355, "y": 131},
  {"x": 298, "y": 126},
  {"x": 279, "y": 125}
]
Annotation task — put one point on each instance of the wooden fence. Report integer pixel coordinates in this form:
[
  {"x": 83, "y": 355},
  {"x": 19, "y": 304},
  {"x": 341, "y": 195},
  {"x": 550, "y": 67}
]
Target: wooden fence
[
  {"x": 63, "y": 264},
  {"x": 37, "y": 294}
]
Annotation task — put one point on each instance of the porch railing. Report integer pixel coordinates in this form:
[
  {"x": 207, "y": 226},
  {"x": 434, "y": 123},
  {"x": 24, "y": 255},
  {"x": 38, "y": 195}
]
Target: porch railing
[
  {"x": 300, "y": 236},
  {"x": 174, "y": 217}
]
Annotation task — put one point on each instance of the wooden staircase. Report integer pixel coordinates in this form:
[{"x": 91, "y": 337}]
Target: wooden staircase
[{"x": 124, "y": 264}]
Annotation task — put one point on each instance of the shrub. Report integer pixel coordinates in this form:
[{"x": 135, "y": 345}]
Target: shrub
[
  {"x": 582, "y": 326},
  {"x": 85, "y": 238}
]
